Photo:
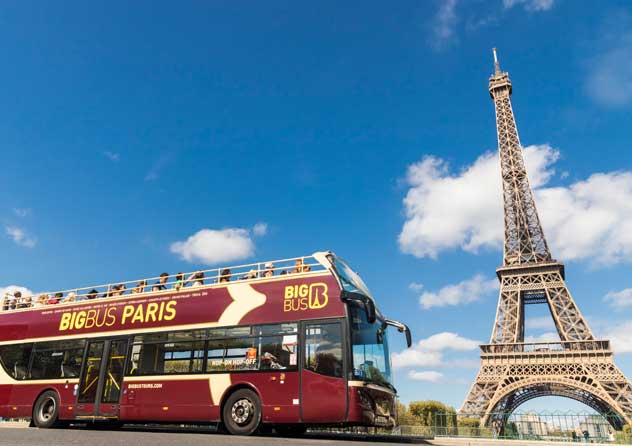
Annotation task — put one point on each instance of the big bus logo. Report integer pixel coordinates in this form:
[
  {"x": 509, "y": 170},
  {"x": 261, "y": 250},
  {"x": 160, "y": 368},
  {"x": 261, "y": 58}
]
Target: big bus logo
[{"x": 302, "y": 297}]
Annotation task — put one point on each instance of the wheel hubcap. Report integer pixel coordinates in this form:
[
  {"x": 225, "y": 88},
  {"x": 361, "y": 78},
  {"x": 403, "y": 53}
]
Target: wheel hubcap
[
  {"x": 242, "y": 411},
  {"x": 47, "y": 409}
]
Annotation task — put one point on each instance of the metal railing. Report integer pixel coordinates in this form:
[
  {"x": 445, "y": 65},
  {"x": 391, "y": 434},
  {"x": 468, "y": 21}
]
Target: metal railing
[
  {"x": 545, "y": 347},
  {"x": 163, "y": 283},
  {"x": 550, "y": 426}
]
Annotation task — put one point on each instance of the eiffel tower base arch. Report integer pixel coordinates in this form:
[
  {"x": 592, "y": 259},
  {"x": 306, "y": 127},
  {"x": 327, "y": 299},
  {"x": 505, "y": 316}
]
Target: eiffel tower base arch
[{"x": 512, "y": 374}]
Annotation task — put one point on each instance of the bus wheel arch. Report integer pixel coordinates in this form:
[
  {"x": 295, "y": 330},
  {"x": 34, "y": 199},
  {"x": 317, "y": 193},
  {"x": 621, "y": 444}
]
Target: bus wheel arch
[
  {"x": 45, "y": 412},
  {"x": 241, "y": 410}
]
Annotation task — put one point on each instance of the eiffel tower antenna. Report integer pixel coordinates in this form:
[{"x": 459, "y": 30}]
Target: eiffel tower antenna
[{"x": 512, "y": 371}]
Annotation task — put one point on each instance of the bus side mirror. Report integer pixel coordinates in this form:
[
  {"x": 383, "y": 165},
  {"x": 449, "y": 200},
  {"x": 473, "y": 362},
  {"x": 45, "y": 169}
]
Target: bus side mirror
[
  {"x": 409, "y": 338},
  {"x": 370, "y": 311},
  {"x": 367, "y": 302},
  {"x": 402, "y": 328}
]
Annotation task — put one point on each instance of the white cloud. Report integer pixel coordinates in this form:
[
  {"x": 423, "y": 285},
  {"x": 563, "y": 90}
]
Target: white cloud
[
  {"x": 260, "y": 229},
  {"x": 429, "y": 352},
  {"x": 609, "y": 79},
  {"x": 415, "y": 286},
  {"x": 447, "y": 341},
  {"x": 590, "y": 219},
  {"x": 212, "y": 246},
  {"x": 461, "y": 293},
  {"x": 619, "y": 299},
  {"x": 444, "y": 25},
  {"x": 20, "y": 237},
  {"x": 22, "y": 212},
  {"x": 13, "y": 288},
  {"x": 620, "y": 337},
  {"x": 427, "y": 375},
  {"x": 530, "y": 5},
  {"x": 157, "y": 166},
  {"x": 112, "y": 156}
]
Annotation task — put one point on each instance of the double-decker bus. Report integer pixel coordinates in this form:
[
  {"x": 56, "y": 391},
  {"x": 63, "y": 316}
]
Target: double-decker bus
[{"x": 288, "y": 344}]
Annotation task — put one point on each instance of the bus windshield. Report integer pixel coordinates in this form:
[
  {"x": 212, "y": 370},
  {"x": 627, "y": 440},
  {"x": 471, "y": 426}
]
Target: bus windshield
[
  {"x": 371, "y": 359},
  {"x": 351, "y": 281}
]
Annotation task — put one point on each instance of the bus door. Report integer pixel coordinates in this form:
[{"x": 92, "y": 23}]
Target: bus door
[
  {"x": 323, "y": 383},
  {"x": 99, "y": 391}
]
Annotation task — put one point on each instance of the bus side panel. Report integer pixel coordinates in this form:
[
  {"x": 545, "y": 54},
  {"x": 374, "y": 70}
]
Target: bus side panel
[
  {"x": 279, "y": 393},
  {"x": 5, "y": 397},
  {"x": 168, "y": 400},
  {"x": 18, "y": 400}
]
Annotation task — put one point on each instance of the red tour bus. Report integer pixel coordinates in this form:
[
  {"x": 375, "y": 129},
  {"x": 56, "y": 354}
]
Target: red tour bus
[{"x": 288, "y": 344}]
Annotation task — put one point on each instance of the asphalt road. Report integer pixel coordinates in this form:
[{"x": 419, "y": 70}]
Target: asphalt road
[{"x": 137, "y": 437}]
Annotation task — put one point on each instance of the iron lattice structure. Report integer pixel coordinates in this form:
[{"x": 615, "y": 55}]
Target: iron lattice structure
[{"x": 512, "y": 371}]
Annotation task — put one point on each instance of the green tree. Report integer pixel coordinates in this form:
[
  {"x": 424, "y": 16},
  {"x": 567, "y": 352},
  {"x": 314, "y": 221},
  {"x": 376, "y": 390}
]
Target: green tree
[{"x": 404, "y": 417}]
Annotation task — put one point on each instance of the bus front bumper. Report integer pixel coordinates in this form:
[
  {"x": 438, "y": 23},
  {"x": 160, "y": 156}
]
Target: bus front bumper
[{"x": 371, "y": 405}]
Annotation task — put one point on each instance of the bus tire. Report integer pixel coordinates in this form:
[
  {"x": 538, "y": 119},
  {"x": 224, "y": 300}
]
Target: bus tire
[
  {"x": 46, "y": 410},
  {"x": 241, "y": 414}
]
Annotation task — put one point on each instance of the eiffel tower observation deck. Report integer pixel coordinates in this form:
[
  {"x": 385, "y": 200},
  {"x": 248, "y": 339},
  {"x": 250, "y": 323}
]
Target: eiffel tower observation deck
[{"x": 512, "y": 372}]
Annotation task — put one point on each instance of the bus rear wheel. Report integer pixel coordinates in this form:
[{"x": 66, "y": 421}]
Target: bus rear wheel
[
  {"x": 242, "y": 412},
  {"x": 46, "y": 410}
]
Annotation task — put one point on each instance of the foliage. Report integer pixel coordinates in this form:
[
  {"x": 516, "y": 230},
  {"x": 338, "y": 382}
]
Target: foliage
[{"x": 425, "y": 413}]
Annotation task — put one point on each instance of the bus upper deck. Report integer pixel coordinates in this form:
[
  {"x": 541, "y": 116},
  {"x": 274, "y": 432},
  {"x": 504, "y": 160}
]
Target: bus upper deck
[{"x": 16, "y": 300}]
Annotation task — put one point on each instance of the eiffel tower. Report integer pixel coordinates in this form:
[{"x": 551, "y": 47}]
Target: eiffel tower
[{"x": 512, "y": 372}]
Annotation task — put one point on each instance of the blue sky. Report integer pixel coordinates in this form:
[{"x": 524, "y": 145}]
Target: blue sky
[{"x": 129, "y": 127}]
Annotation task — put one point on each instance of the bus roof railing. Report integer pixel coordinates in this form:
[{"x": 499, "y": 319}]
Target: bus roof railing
[{"x": 170, "y": 282}]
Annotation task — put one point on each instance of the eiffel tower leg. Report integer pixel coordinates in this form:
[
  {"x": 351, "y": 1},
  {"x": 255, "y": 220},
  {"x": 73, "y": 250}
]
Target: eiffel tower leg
[{"x": 508, "y": 326}]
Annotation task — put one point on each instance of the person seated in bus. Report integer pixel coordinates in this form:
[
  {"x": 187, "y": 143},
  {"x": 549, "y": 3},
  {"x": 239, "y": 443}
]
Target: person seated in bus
[
  {"x": 11, "y": 302},
  {"x": 5, "y": 302},
  {"x": 179, "y": 281},
  {"x": 56, "y": 298},
  {"x": 118, "y": 290},
  {"x": 301, "y": 267},
  {"x": 71, "y": 297},
  {"x": 268, "y": 270},
  {"x": 225, "y": 275},
  {"x": 41, "y": 300},
  {"x": 25, "y": 302},
  {"x": 162, "y": 283},
  {"x": 197, "y": 278},
  {"x": 93, "y": 294},
  {"x": 140, "y": 287},
  {"x": 270, "y": 362},
  {"x": 252, "y": 274}
]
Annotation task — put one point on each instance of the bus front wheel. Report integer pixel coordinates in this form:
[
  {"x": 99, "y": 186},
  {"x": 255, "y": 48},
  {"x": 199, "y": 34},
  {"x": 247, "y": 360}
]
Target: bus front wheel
[
  {"x": 46, "y": 410},
  {"x": 242, "y": 412}
]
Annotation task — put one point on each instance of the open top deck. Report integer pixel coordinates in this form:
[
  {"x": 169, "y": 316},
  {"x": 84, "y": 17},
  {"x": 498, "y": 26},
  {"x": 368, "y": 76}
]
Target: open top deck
[{"x": 165, "y": 283}]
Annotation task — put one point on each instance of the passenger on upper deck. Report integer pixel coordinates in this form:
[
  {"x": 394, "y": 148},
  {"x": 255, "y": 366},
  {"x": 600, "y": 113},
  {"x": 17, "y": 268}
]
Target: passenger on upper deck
[
  {"x": 268, "y": 270},
  {"x": 41, "y": 300},
  {"x": 22, "y": 302},
  {"x": 140, "y": 287},
  {"x": 225, "y": 275},
  {"x": 71, "y": 297},
  {"x": 252, "y": 274},
  {"x": 301, "y": 267},
  {"x": 55, "y": 299},
  {"x": 179, "y": 281},
  {"x": 197, "y": 278},
  {"x": 11, "y": 302},
  {"x": 118, "y": 290},
  {"x": 161, "y": 284},
  {"x": 93, "y": 294}
]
